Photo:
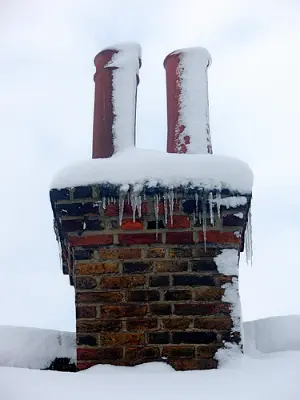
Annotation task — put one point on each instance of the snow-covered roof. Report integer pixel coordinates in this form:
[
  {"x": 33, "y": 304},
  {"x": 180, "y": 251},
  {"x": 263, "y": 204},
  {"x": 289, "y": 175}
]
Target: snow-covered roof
[{"x": 139, "y": 167}]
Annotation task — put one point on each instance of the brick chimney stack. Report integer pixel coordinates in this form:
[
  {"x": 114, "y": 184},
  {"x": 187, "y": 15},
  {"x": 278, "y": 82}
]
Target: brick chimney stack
[
  {"x": 151, "y": 241},
  {"x": 187, "y": 101},
  {"x": 116, "y": 80}
]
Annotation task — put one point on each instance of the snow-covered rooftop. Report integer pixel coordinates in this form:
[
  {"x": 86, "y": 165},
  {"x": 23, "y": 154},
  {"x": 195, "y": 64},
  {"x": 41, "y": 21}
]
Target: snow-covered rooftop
[{"x": 139, "y": 167}]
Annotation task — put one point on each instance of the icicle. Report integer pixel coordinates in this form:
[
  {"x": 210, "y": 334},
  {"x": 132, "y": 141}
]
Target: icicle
[
  {"x": 84, "y": 225},
  {"x": 200, "y": 217},
  {"x": 156, "y": 211},
  {"x": 145, "y": 197},
  {"x": 133, "y": 202},
  {"x": 139, "y": 206},
  {"x": 218, "y": 202},
  {"x": 211, "y": 212},
  {"x": 121, "y": 208},
  {"x": 165, "y": 200},
  {"x": 194, "y": 218},
  {"x": 108, "y": 201},
  {"x": 248, "y": 239},
  {"x": 171, "y": 205},
  {"x": 104, "y": 203},
  {"x": 203, "y": 202},
  {"x": 196, "y": 204}
]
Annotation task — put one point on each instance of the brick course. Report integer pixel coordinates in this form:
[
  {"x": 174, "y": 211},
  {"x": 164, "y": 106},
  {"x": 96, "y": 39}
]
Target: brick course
[{"x": 146, "y": 294}]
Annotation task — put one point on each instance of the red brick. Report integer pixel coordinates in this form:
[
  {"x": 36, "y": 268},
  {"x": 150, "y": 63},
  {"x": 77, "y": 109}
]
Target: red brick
[
  {"x": 193, "y": 364},
  {"x": 120, "y": 282},
  {"x": 91, "y": 240},
  {"x": 112, "y": 210},
  {"x": 208, "y": 293},
  {"x": 84, "y": 354},
  {"x": 121, "y": 339},
  {"x": 219, "y": 237},
  {"x": 125, "y": 310},
  {"x": 81, "y": 366},
  {"x": 139, "y": 238},
  {"x": 179, "y": 222},
  {"x": 143, "y": 324},
  {"x": 207, "y": 351},
  {"x": 178, "y": 352},
  {"x": 179, "y": 238},
  {"x": 96, "y": 268},
  {"x": 130, "y": 225},
  {"x": 99, "y": 297},
  {"x": 129, "y": 254}
]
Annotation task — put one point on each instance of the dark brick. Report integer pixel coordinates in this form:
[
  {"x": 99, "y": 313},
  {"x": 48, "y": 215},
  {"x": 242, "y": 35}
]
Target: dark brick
[
  {"x": 77, "y": 209},
  {"x": 201, "y": 251},
  {"x": 179, "y": 222},
  {"x": 86, "y": 283},
  {"x": 194, "y": 337},
  {"x": 99, "y": 297},
  {"x": 142, "y": 325},
  {"x": 94, "y": 224},
  {"x": 194, "y": 309},
  {"x": 178, "y": 352},
  {"x": 203, "y": 265},
  {"x": 60, "y": 194},
  {"x": 155, "y": 225},
  {"x": 160, "y": 309},
  {"x": 171, "y": 266},
  {"x": 98, "y": 325},
  {"x": 180, "y": 252},
  {"x": 128, "y": 253},
  {"x": 159, "y": 281},
  {"x": 83, "y": 254},
  {"x": 125, "y": 310},
  {"x": 136, "y": 267},
  {"x": 86, "y": 312},
  {"x": 86, "y": 340},
  {"x": 179, "y": 237},
  {"x": 143, "y": 295},
  {"x": 233, "y": 220},
  {"x": 159, "y": 338},
  {"x": 213, "y": 323},
  {"x": 81, "y": 192},
  {"x": 192, "y": 280},
  {"x": 142, "y": 354},
  {"x": 72, "y": 225},
  {"x": 175, "y": 295}
]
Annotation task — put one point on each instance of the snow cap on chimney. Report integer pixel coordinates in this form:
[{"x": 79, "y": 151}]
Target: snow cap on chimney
[
  {"x": 187, "y": 101},
  {"x": 116, "y": 80}
]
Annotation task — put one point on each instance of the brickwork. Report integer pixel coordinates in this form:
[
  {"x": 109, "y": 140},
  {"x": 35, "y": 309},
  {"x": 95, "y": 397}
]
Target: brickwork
[{"x": 148, "y": 289}]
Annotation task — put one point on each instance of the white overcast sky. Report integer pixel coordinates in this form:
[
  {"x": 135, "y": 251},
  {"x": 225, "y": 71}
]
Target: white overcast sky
[{"x": 46, "y": 110}]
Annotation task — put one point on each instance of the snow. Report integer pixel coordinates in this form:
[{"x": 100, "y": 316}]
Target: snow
[
  {"x": 227, "y": 262},
  {"x": 231, "y": 296},
  {"x": 139, "y": 167},
  {"x": 194, "y": 107},
  {"x": 269, "y": 377},
  {"x": 34, "y": 348},
  {"x": 273, "y": 334},
  {"x": 125, "y": 64}
]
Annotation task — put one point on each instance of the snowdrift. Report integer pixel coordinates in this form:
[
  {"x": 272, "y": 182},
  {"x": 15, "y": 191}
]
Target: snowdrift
[{"x": 37, "y": 348}]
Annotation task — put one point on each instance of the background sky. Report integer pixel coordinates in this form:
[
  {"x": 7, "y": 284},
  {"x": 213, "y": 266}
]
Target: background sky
[{"x": 46, "y": 115}]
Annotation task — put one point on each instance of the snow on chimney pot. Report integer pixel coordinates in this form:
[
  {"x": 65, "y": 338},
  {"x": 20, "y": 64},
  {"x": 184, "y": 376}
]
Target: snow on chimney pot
[
  {"x": 187, "y": 101},
  {"x": 116, "y": 80}
]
